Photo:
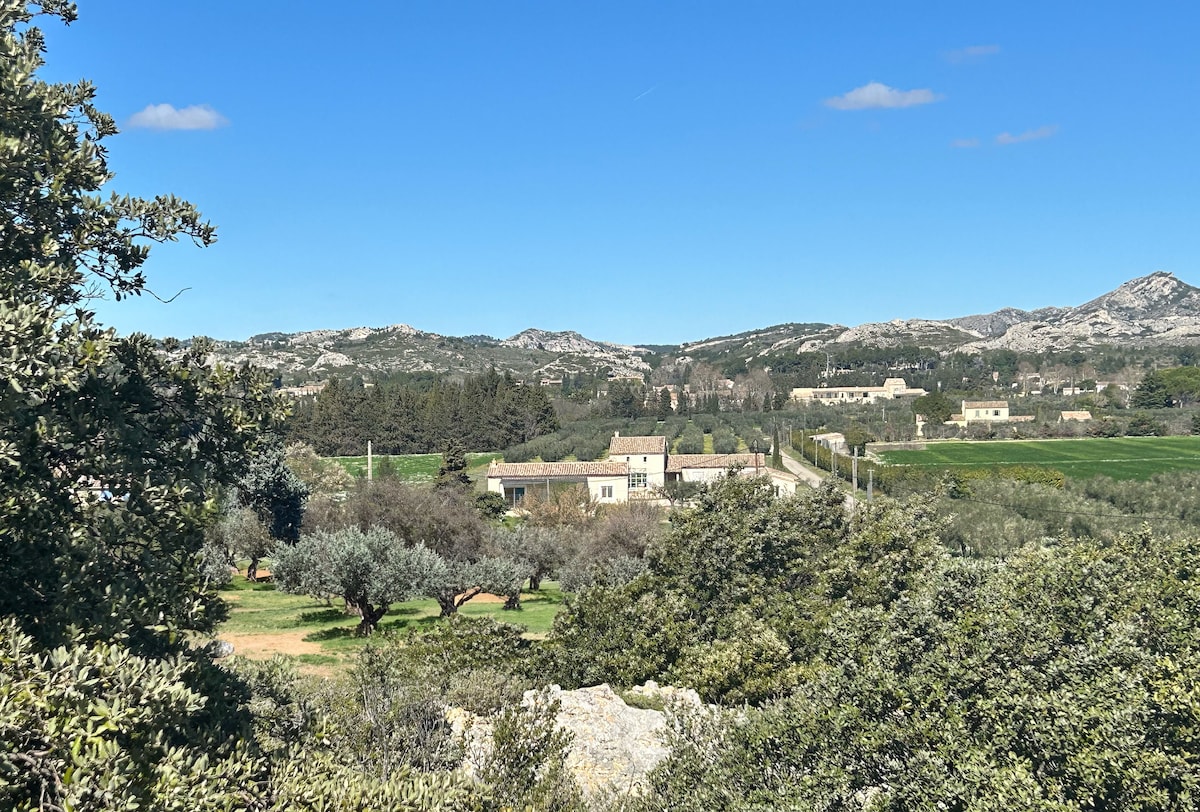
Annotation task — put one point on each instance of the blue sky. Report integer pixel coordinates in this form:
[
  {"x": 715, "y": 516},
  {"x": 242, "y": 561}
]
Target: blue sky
[{"x": 645, "y": 172}]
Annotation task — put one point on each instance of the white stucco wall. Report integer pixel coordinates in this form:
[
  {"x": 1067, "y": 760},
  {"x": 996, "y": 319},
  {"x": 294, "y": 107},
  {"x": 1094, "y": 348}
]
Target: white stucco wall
[
  {"x": 619, "y": 485},
  {"x": 654, "y": 465}
]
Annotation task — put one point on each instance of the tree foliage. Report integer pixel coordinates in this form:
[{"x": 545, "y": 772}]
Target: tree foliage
[
  {"x": 112, "y": 450},
  {"x": 370, "y": 570},
  {"x": 275, "y": 493},
  {"x": 1061, "y": 679},
  {"x": 487, "y": 411},
  {"x": 738, "y": 592}
]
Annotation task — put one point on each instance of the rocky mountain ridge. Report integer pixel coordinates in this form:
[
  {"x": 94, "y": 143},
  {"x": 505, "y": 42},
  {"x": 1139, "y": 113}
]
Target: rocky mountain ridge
[{"x": 1154, "y": 310}]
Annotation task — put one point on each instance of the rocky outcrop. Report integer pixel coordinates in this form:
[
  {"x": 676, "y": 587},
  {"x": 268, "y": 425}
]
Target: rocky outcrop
[
  {"x": 1152, "y": 310},
  {"x": 613, "y": 745},
  {"x": 1158, "y": 309},
  {"x": 922, "y": 332}
]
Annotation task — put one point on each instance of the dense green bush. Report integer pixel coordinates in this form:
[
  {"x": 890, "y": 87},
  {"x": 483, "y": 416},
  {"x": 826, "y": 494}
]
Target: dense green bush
[
  {"x": 737, "y": 592},
  {"x": 1061, "y": 679}
]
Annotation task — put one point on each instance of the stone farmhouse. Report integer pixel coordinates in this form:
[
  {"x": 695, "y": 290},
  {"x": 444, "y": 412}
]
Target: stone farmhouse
[
  {"x": 637, "y": 468},
  {"x": 840, "y": 395},
  {"x": 986, "y": 411}
]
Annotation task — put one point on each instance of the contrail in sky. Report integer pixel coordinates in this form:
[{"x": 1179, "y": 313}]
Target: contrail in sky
[{"x": 645, "y": 93}]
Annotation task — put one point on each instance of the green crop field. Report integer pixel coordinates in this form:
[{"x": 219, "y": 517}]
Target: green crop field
[
  {"x": 1117, "y": 457},
  {"x": 412, "y": 467}
]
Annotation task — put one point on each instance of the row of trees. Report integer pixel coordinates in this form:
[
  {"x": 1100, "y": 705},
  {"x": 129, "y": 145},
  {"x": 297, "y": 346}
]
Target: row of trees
[
  {"x": 383, "y": 542},
  {"x": 487, "y": 411}
]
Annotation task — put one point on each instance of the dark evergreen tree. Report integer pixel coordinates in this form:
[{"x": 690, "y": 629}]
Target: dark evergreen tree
[
  {"x": 453, "y": 470},
  {"x": 1151, "y": 393}
]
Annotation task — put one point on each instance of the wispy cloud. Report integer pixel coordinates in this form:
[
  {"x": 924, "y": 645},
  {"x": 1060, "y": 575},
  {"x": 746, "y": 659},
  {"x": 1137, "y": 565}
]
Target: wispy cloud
[
  {"x": 167, "y": 117},
  {"x": 972, "y": 53},
  {"x": 1028, "y": 135},
  {"x": 876, "y": 95},
  {"x": 965, "y": 143}
]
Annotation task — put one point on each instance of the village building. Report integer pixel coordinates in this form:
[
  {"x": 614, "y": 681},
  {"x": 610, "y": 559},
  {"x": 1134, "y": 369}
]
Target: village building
[
  {"x": 607, "y": 482},
  {"x": 834, "y": 441},
  {"x": 840, "y": 395},
  {"x": 1079, "y": 415},
  {"x": 977, "y": 411},
  {"x": 303, "y": 390},
  {"x": 637, "y": 469},
  {"x": 986, "y": 411},
  {"x": 645, "y": 456}
]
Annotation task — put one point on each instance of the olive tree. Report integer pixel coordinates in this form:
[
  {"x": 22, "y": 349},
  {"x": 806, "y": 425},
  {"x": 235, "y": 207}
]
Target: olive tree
[{"x": 370, "y": 570}]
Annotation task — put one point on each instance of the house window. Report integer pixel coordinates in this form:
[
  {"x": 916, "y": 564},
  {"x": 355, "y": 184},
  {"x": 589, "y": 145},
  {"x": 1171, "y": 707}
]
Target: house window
[
  {"x": 606, "y": 491},
  {"x": 637, "y": 479},
  {"x": 996, "y": 413}
]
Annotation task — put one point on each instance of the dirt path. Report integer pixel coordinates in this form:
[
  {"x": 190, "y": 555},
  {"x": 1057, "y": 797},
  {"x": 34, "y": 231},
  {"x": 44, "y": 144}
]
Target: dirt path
[{"x": 263, "y": 646}]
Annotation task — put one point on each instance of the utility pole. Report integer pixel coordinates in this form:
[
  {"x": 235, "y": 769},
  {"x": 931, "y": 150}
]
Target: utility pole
[
  {"x": 870, "y": 484},
  {"x": 368, "y": 460},
  {"x": 854, "y": 472}
]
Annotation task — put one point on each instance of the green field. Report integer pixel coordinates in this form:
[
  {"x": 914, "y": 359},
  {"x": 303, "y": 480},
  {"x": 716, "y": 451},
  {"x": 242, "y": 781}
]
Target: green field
[
  {"x": 263, "y": 621},
  {"x": 412, "y": 467},
  {"x": 1117, "y": 457}
]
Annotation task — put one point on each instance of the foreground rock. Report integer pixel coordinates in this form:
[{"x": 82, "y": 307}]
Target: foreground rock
[{"x": 614, "y": 746}]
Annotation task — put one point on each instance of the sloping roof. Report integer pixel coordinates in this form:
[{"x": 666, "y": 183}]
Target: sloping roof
[
  {"x": 637, "y": 445},
  {"x": 542, "y": 470},
  {"x": 985, "y": 404},
  {"x": 1076, "y": 415},
  {"x": 677, "y": 462}
]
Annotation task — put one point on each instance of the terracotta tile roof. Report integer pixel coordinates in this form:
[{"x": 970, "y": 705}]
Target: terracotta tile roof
[
  {"x": 637, "y": 445},
  {"x": 541, "y": 470},
  {"x": 677, "y": 462},
  {"x": 1076, "y": 415},
  {"x": 985, "y": 404}
]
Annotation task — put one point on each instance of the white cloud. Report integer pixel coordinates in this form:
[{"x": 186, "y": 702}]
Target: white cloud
[
  {"x": 166, "y": 117},
  {"x": 964, "y": 143},
  {"x": 972, "y": 53},
  {"x": 1028, "y": 135},
  {"x": 877, "y": 95}
]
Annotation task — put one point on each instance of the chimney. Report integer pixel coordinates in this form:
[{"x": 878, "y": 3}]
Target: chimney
[{"x": 616, "y": 434}]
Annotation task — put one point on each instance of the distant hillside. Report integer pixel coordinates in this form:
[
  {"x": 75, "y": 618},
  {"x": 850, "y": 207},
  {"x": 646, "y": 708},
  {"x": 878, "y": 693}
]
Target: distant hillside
[
  {"x": 400, "y": 348},
  {"x": 1154, "y": 310}
]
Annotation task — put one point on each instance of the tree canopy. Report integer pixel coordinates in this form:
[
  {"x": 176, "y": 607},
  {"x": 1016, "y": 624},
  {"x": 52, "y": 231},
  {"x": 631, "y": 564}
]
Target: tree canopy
[{"x": 112, "y": 450}]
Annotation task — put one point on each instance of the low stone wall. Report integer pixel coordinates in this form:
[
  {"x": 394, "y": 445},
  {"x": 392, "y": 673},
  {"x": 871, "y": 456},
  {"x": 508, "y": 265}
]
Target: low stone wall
[{"x": 914, "y": 445}]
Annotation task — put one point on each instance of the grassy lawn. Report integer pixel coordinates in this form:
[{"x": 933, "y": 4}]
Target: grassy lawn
[
  {"x": 1117, "y": 457},
  {"x": 263, "y": 621},
  {"x": 413, "y": 467}
]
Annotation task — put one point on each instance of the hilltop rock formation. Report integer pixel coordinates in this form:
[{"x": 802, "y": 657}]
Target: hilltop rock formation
[{"x": 1153, "y": 310}]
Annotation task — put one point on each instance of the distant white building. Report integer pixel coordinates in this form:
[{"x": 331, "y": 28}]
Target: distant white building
[
  {"x": 637, "y": 468},
  {"x": 986, "y": 411},
  {"x": 839, "y": 395}
]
